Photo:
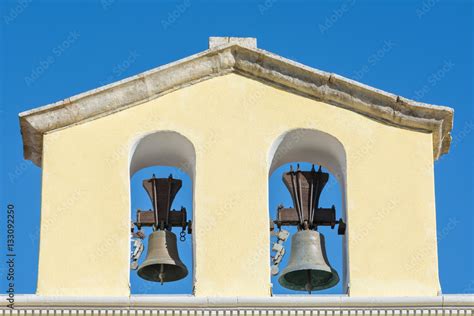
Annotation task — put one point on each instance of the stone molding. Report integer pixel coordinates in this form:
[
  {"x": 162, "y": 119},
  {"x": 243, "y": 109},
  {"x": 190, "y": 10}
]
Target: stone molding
[
  {"x": 148, "y": 305},
  {"x": 250, "y": 42},
  {"x": 242, "y": 58}
]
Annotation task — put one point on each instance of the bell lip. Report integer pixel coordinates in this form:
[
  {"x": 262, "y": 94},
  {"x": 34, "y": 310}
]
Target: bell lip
[
  {"x": 335, "y": 276},
  {"x": 180, "y": 277},
  {"x": 333, "y": 282},
  {"x": 306, "y": 267}
]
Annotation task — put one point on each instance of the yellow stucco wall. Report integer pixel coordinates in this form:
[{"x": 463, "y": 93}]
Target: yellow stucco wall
[{"x": 233, "y": 122}]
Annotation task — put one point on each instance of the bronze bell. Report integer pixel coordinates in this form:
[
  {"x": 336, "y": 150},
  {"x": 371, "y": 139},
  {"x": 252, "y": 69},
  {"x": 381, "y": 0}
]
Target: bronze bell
[
  {"x": 162, "y": 262},
  {"x": 308, "y": 268}
]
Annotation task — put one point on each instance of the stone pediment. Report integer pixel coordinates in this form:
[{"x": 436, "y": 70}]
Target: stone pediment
[{"x": 237, "y": 55}]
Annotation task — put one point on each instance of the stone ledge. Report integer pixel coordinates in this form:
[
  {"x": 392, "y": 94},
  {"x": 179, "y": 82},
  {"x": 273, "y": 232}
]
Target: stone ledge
[
  {"x": 252, "y": 62},
  {"x": 113, "y": 311},
  {"x": 276, "y": 305}
]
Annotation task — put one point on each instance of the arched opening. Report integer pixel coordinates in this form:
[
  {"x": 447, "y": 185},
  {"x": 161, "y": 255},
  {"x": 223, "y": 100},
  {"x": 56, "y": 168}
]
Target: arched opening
[
  {"x": 305, "y": 147},
  {"x": 162, "y": 171}
]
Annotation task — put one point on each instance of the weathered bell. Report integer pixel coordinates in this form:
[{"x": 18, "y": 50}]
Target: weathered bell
[
  {"x": 162, "y": 262},
  {"x": 308, "y": 268}
]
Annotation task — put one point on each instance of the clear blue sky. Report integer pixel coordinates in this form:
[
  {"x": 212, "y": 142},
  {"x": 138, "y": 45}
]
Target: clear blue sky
[{"x": 418, "y": 49}]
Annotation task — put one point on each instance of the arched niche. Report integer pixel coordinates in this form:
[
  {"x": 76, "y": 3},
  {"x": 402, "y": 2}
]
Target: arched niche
[
  {"x": 164, "y": 152},
  {"x": 319, "y": 148},
  {"x": 165, "y": 148}
]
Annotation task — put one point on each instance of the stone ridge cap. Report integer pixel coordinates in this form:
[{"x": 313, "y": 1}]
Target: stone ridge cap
[{"x": 232, "y": 57}]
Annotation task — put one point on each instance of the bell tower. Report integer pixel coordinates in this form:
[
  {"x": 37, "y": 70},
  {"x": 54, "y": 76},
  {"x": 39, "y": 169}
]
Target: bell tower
[{"x": 229, "y": 117}]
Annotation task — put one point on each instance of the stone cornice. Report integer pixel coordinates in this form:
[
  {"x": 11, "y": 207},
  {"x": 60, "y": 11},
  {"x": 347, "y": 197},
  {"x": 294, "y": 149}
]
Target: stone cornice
[
  {"x": 248, "y": 61},
  {"x": 276, "y": 305}
]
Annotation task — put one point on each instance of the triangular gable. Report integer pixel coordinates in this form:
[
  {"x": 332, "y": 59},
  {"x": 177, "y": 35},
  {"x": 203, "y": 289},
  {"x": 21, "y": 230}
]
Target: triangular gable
[{"x": 240, "y": 57}]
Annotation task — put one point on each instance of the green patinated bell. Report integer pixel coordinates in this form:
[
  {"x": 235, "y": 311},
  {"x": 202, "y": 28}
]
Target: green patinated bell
[{"x": 308, "y": 268}]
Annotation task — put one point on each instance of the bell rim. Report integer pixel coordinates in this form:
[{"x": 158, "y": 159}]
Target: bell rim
[
  {"x": 180, "y": 276},
  {"x": 333, "y": 282},
  {"x": 300, "y": 267}
]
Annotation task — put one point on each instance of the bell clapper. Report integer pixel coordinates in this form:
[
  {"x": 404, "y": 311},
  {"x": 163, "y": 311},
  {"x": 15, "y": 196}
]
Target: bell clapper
[
  {"x": 309, "y": 284},
  {"x": 161, "y": 275}
]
